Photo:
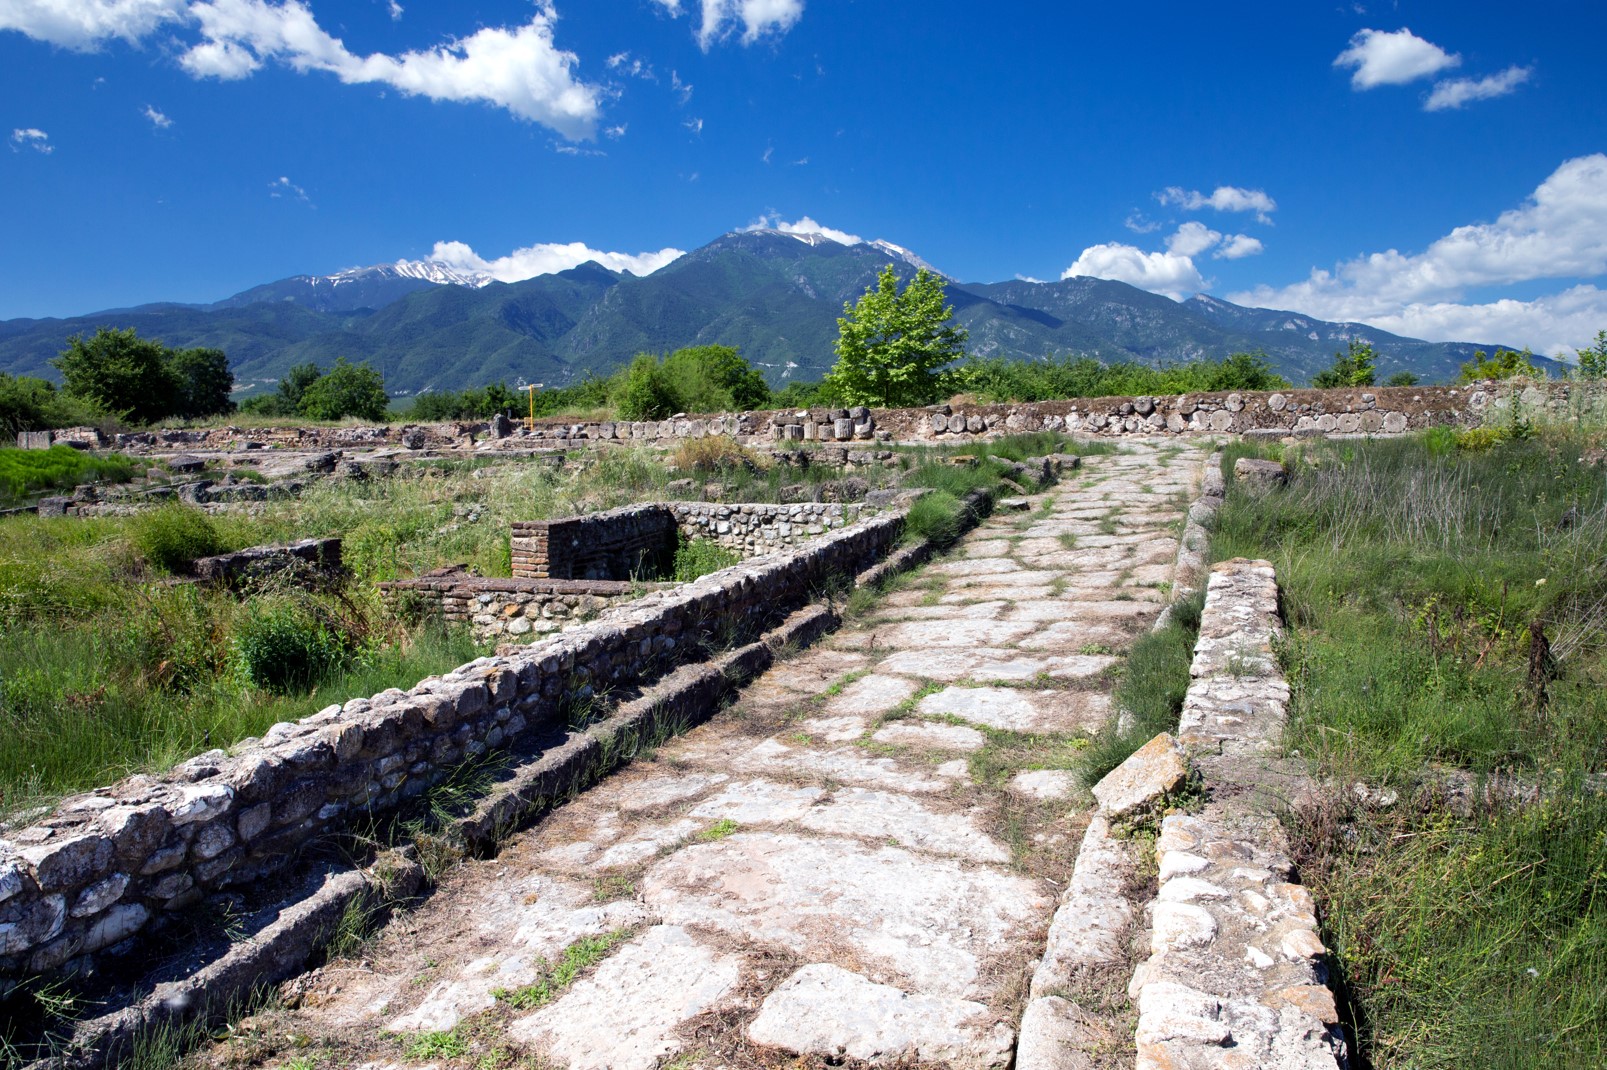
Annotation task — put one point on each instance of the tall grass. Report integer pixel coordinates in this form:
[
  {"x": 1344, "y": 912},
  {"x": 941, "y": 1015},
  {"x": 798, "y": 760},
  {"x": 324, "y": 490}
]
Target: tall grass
[
  {"x": 26, "y": 472},
  {"x": 1423, "y": 586}
]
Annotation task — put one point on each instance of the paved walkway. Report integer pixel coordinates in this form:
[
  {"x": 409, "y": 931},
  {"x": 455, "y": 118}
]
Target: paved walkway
[{"x": 859, "y": 859}]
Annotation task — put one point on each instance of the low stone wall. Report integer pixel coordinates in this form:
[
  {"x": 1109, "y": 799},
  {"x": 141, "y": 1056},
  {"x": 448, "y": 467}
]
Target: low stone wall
[
  {"x": 308, "y": 556},
  {"x": 80, "y": 883},
  {"x": 760, "y": 528},
  {"x": 638, "y": 540},
  {"x": 497, "y": 608}
]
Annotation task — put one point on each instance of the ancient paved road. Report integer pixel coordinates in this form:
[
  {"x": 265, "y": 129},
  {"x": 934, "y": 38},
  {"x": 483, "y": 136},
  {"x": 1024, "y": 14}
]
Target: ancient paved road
[{"x": 860, "y": 858}]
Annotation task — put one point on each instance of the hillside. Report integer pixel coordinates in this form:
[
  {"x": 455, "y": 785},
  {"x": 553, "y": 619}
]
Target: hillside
[{"x": 774, "y": 296}]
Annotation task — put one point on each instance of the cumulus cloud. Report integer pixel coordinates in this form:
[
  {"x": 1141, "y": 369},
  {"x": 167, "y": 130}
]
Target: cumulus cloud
[
  {"x": 758, "y": 18},
  {"x": 1556, "y": 324},
  {"x": 83, "y": 25},
  {"x": 1392, "y": 58},
  {"x": 1168, "y": 273},
  {"x": 545, "y": 258},
  {"x": 1456, "y": 92},
  {"x": 158, "y": 120},
  {"x": 1192, "y": 239},
  {"x": 1222, "y": 199},
  {"x": 31, "y": 138},
  {"x": 1558, "y": 232},
  {"x": 517, "y": 68},
  {"x": 803, "y": 226},
  {"x": 1237, "y": 247}
]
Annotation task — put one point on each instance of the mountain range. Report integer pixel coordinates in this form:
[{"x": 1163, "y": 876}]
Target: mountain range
[{"x": 775, "y": 296}]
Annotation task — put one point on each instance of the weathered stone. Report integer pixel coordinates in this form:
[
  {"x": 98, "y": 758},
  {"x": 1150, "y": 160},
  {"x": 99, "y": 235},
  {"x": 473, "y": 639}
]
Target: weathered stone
[
  {"x": 1149, "y": 774},
  {"x": 100, "y": 895},
  {"x": 1259, "y": 476},
  {"x": 69, "y": 861},
  {"x": 828, "y": 1011},
  {"x": 200, "y": 802},
  {"x": 116, "y": 925},
  {"x": 32, "y": 924}
]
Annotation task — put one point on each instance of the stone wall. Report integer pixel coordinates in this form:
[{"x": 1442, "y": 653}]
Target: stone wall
[
  {"x": 636, "y": 541},
  {"x": 510, "y": 608},
  {"x": 750, "y": 529},
  {"x": 78, "y": 884}
]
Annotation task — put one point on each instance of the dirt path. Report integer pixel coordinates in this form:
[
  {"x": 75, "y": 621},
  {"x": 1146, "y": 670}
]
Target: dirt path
[{"x": 857, "y": 861}]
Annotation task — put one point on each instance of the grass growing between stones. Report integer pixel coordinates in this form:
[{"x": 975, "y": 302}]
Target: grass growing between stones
[
  {"x": 1447, "y": 652},
  {"x": 1154, "y": 677},
  {"x": 557, "y": 976}
]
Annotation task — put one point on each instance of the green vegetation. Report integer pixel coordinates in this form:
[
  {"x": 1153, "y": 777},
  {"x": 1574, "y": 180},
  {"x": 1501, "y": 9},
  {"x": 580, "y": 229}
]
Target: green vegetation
[
  {"x": 30, "y": 404},
  {"x": 143, "y": 381},
  {"x": 1154, "y": 680},
  {"x": 1593, "y": 359},
  {"x": 346, "y": 390},
  {"x": 1354, "y": 367},
  {"x": 1506, "y": 364},
  {"x": 699, "y": 557},
  {"x": 1448, "y": 644},
  {"x": 996, "y": 379},
  {"x": 892, "y": 345},
  {"x": 694, "y": 379},
  {"x": 26, "y": 472},
  {"x": 470, "y": 404},
  {"x": 577, "y": 957},
  {"x": 1402, "y": 379},
  {"x": 171, "y": 536}
]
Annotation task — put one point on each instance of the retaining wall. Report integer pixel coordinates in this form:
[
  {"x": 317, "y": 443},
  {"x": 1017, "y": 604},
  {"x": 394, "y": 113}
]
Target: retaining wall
[
  {"x": 80, "y": 883},
  {"x": 494, "y": 607}
]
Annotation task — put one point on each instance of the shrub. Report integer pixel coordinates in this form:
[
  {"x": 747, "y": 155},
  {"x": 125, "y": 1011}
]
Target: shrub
[
  {"x": 172, "y": 536},
  {"x": 715, "y": 453},
  {"x": 644, "y": 393},
  {"x": 282, "y": 646},
  {"x": 1355, "y": 367},
  {"x": 934, "y": 516},
  {"x": 345, "y": 390},
  {"x": 1506, "y": 364},
  {"x": 699, "y": 557}
]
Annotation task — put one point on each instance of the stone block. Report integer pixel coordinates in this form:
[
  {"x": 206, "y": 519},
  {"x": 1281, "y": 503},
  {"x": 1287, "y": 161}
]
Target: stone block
[
  {"x": 69, "y": 861},
  {"x": 1149, "y": 774},
  {"x": 1258, "y": 476}
]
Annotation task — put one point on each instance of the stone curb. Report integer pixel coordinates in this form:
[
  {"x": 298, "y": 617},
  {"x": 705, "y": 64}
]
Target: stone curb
[
  {"x": 1236, "y": 973},
  {"x": 1195, "y": 542}
]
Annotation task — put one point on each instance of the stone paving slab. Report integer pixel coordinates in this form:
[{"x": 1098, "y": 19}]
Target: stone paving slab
[{"x": 833, "y": 868}]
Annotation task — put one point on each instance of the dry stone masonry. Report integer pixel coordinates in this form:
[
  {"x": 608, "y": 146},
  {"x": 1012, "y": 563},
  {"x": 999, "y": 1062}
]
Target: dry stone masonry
[
  {"x": 821, "y": 870},
  {"x": 86, "y": 878}
]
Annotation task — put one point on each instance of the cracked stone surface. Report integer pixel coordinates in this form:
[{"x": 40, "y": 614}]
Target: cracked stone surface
[{"x": 860, "y": 858}]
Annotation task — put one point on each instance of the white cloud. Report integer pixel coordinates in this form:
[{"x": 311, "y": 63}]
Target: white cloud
[
  {"x": 1238, "y": 246},
  {"x": 1556, "y": 324},
  {"x": 627, "y": 64},
  {"x": 1192, "y": 239},
  {"x": 1223, "y": 199},
  {"x": 282, "y": 186},
  {"x": 1458, "y": 91},
  {"x": 1139, "y": 224},
  {"x": 804, "y": 225},
  {"x": 756, "y": 17},
  {"x": 614, "y": 132},
  {"x": 520, "y": 68},
  {"x": 1166, "y": 273},
  {"x": 695, "y": 125},
  {"x": 158, "y": 120},
  {"x": 33, "y": 138},
  {"x": 1384, "y": 58},
  {"x": 83, "y": 24},
  {"x": 680, "y": 88},
  {"x": 396, "y": 11},
  {"x": 545, "y": 258},
  {"x": 1559, "y": 232}
]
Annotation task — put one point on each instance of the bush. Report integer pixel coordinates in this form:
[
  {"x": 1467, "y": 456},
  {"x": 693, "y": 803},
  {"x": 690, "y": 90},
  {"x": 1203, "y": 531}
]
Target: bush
[
  {"x": 282, "y": 646},
  {"x": 716, "y": 453},
  {"x": 170, "y": 537},
  {"x": 999, "y": 380},
  {"x": 346, "y": 390},
  {"x": 1506, "y": 364},
  {"x": 30, "y": 404},
  {"x": 934, "y": 516},
  {"x": 644, "y": 392},
  {"x": 1355, "y": 367},
  {"x": 699, "y": 557}
]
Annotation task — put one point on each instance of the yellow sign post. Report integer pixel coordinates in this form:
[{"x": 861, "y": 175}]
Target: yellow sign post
[{"x": 530, "y": 421}]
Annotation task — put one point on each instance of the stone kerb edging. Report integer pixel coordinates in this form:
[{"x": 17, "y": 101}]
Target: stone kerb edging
[
  {"x": 1234, "y": 975},
  {"x": 103, "y": 865}
]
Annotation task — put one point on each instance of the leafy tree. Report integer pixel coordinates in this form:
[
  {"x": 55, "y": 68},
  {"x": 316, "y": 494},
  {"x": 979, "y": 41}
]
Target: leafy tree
[
  {"x": 119, "y": 372},
  {"x": 1506, "y": 364},
  {"x": 1401, "y": 379},
  {"x": 644, "y": 392},
  {"x": 203, "y": 382},
  {"x": 891, "y": 345},
  {"x": 714, "y": 379},
  {"x": 345, "y": 390},
  {"x": 1352, "y": 368},
  {"x": 294, "y": 385},
  {"x": 1593, "y": 360},
  {"x": 30, "y": 404}
]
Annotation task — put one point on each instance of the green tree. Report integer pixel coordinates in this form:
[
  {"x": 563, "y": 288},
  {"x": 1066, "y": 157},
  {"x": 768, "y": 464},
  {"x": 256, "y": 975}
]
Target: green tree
[
  {"x": 892, "y": 345},
  {"x": 714, "y": 379},
  {"x": 345, "y": 390},
  {"x": 1352, "y": 368},
  {"x": 1593, "y": 360},
  {"x": 202, "y": 380},
  {"x": 31, "y": 404},
  {"x": 1506, "y": 364},
  {"x": 644, "y": 391},
  {"x": 119, "y": 372},
  {"x": 1401, "y": 379}
]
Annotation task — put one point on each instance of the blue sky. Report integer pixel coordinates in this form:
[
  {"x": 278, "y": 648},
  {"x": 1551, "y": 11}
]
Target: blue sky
[{"x": 1437, "y": 169}]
